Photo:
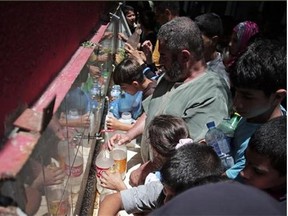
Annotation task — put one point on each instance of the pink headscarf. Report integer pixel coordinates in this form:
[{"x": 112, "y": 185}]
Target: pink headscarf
[{"x": 244, "y": 31}]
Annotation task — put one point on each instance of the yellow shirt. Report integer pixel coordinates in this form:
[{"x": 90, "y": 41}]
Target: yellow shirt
[{"x": 156, "y": 54}]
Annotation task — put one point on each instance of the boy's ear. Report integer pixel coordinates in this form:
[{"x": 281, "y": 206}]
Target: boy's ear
[
  {"x": 280, "y": 94},
  {"x": 135, "y": 84},
  {"x": 167, "y": 12},
  {"x": 215, "y": 40}
]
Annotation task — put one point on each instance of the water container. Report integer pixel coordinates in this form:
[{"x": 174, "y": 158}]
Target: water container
[
  {"x": 126, "y": 118},
  {"x": 95, "y": 92},
  {"x": 103, "y": 162},
  {"x": 74, "y": 167},
  {"x": 115, "y": 92},
  {"x": 119, "y": 155},
  {"x": 216, "y": 138}
]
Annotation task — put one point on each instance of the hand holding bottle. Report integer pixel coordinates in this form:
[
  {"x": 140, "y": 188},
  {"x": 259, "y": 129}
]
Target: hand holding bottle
[
  {"x": 113, "y": 123},
  {"x": 112, "y": 180},
  {"x": 119, "y": 139}
]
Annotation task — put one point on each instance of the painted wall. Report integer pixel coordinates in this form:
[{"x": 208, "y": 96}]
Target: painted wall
[{"x": 37, "y": 39}]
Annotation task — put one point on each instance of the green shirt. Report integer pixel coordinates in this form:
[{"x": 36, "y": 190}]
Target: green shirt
[{"x": 198, "y": 101}]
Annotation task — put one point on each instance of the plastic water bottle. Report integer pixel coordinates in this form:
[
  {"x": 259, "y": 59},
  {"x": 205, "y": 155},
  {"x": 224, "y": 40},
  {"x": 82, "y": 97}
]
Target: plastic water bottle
[
  {"x": 95, "y": 92},
  {"x": 217, "y": 139},
  {"x": 74, "y": 166},
  {"x": 119, "y": 155},
  {"x": 109, "y": 134},
  {"x": 103, "y": 162},
  {"x": 126, "y": 118},
  {"x": 115, "y": 92},
  {"x": 213, "y": 137}
]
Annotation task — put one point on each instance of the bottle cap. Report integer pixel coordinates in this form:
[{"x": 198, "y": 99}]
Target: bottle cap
[
  {"x": 210, "y": 124},
  {"x": 126, "y": 115}
]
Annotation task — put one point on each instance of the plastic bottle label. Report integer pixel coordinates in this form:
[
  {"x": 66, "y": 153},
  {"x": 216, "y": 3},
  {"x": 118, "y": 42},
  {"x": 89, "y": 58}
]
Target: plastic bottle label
[
  {"x": 224, "y": 146},
  {"x": 74, "y": 171},
  {"x": 216, "y": 148},
  {"x": 100, "y": 170}
]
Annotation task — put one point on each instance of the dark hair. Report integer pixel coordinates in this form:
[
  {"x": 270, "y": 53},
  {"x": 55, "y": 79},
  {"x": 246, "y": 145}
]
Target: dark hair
[
  {"x": 191, "y": 165},
  {"x": 270, "y": 140},
  {"x": 147, "y": 19},
  {"x": 173, "y": 6},
  {"x": 182, "y": 33},
  {"x": 165, "y": 131},
  {"x": 128, "y": 71},
  {"x": 261, "y": 67},
  {"x": 126, "y": 9},
  {"x": 210, "y": 24}
]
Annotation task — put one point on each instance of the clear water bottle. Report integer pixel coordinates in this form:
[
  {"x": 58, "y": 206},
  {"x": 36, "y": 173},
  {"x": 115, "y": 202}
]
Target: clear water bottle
[
  {"x": 213, "y": 137},
  {"x": 95, "y": 92},
  {"x": 217, "y": 139},
  {"x": 115, "y": 92}
]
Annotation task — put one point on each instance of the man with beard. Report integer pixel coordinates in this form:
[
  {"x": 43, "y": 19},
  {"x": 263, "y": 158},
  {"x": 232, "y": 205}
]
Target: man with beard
[{"x": 185, "y": 90}]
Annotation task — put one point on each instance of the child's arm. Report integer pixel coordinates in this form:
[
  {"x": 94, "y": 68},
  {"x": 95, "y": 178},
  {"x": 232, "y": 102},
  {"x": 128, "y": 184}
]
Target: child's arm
[
  {"x": 111, "y": 205},
  {"x": 115, "y": 124},
  {"x": 133, "y": 200},
  {"x": 83, "y": 121},
  {"x": 137, "y": 177}
]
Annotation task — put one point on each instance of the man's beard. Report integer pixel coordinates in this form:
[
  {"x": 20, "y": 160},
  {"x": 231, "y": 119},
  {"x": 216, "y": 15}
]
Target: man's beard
[{"x": 175, "y": 73}]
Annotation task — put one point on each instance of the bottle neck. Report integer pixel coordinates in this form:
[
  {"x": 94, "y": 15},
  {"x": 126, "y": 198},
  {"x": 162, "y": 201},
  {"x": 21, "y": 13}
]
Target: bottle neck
[{"x": 235, "y": 120}]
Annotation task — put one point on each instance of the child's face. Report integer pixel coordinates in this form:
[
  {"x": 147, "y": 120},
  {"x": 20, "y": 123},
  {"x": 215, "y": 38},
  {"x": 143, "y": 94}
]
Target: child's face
[
  {"x": 130, "y": 89},
  {"x": 233, "y": 44},
  {"x": 130, "y": 17},
  {"x": 259, "y": 172},
  {"x": 253, "y": 104}
]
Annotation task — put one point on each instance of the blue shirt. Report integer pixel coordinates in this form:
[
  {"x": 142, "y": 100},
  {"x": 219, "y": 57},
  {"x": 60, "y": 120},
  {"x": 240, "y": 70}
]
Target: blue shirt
[{"x": 240, "y": 142}]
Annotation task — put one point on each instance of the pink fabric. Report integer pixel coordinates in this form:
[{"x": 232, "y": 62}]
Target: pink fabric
[
  {"x": 183, "y": 142},
  {"x": 245, "y": 30}
]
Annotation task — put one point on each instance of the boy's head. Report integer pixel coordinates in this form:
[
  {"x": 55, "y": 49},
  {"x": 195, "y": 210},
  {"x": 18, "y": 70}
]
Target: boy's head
[
  {"x": 165, "y": 131},
  {"x": 166, "y": 11},
  {"x": 211, "y": 27},
  {"x": 191, "y": 165},
  {"x": 259, "y": 79},
  {"x": 266, "y": 155},
  {"x": 128, "y": 75}
]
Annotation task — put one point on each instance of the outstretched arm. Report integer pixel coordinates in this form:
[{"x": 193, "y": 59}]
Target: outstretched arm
[
  {"x": 111, "y": 205},
  {"x": 131, "y": 134}
]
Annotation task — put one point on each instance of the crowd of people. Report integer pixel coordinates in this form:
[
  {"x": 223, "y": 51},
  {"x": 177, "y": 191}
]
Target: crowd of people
[{"x": 192, "y": 82}]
